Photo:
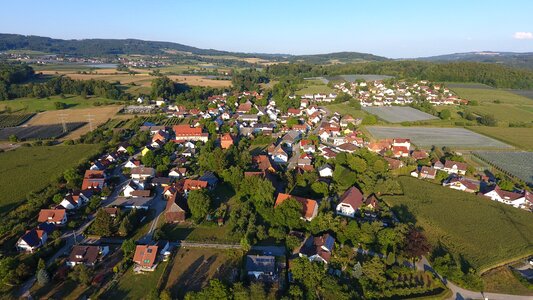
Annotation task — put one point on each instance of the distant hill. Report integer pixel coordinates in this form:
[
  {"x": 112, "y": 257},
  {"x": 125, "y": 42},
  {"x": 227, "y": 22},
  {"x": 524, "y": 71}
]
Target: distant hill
[
  {"x": 110, "y": 47},
  {"x": 512, "y": 59}
]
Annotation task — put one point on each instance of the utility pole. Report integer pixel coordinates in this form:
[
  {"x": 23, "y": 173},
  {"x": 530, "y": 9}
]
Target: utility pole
[
  {"x": 90, "y": 119},
  {"x": 62, "y": 117}
]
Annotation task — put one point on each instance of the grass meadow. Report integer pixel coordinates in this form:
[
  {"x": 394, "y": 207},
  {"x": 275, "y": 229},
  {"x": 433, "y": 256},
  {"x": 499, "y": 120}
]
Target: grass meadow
[
  {"x": 516, "y": 136},
  {"x": 29, "y": 169},
  {"x": 30, "y": 105},
  {"x": 484, "y": 232}
]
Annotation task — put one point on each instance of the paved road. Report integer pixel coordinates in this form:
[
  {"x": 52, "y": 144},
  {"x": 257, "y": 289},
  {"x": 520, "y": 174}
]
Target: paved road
[{"x": 159, "y": 205}]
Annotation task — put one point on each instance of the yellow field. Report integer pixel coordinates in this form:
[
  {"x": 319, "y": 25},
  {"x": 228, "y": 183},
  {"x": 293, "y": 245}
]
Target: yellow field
[{"x": 99, "y": 115}]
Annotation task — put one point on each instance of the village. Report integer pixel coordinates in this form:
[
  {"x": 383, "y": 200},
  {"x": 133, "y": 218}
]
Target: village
[{"x": 122, "y": 186}]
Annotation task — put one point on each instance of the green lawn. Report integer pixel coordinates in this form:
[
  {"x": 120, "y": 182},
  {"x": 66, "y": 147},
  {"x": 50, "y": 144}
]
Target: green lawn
[
  {"x": 36, "y": 105},
  {"x": 484, "y": 232},
  {"x": 136, "y": 286},
  {"x": 209, "y": 233},
  {"x": 314, "y": 87},
  {"x": 490, "y": 95},
  {"x": 519, "y": 137},
  {"x": 346, "y": 108},
  {"x": 29, "y": 169}
]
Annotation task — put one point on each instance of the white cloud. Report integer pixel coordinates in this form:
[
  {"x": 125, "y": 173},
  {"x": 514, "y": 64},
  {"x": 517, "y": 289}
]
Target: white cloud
[{"x": 522, "y": 35}]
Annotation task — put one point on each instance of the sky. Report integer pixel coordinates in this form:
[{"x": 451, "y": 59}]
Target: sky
[{"x": 391, "y": 28}]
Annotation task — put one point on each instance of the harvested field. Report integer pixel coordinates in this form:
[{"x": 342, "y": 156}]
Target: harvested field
[
  {"x": 99, "y": 115},
  {"x": 518, "y": 164},
  {"x": 39, "y": 132},
  {"x": 425, "y": 137},
  {"x": 398, "y": 114},
  {"x": 193, "y": 268},
  {"x": 200, "y": 80}
]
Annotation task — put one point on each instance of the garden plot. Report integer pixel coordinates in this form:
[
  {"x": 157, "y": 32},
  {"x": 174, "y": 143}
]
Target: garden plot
[
  {"x": 519, "y": 164},
  {"x": 425, "y": 137},
  {"x": 398, "y": 114}
]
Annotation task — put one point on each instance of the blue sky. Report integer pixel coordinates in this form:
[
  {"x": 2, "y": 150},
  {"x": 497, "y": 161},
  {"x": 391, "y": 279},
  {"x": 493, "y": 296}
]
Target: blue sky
[{"x": 388, "y": 27}]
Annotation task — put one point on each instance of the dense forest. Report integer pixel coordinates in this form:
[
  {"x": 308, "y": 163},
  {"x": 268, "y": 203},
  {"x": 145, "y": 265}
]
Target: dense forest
[{"x": 490, "y": 74}]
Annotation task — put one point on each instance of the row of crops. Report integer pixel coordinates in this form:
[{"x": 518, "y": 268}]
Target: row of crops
[
  {"x": 11, "y": 120},
  {"x": 517, "y": 164},
  {"x": 39, "y": 131}
]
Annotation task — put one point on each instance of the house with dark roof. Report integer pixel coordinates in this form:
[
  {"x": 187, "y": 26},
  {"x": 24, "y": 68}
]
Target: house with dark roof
[
  {"x": 317, "y": 248},
  {"x": 512, "y": 198},
  {"x": 32, "y": 240},
  {"x": 86, "y": 255},
  {"x": 350, "y": 202},
  {"x": 261, "y": 267},
  {"x": 462, "y": 184},
  {"x": 176, "y": 208}
]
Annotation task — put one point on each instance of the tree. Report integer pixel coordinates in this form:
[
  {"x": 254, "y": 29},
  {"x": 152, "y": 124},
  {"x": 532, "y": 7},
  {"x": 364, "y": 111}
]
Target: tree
[
  {"x": 41, "y": 265},
  {"x": 199, "y": 204},
  {"x": 81, "y": 274},
  {"x": 128, "y": 247},
  {"x": 309, "y": 274},
  {"x": 148, "y": 158},
  {"x": 374, "y": 270},
  {"x": 42, "y": 277},
  {"x": 125, "y": 227},
  {"x": 288, "y": 214},
  {"x": 215, "y": 290},
  {"x": 445, "y": 114},
  {"x": 488, "y": 120},
  {"x": 165, "y": 295},
  {"x": 416, "y": 243},
  {"x": 391, "y": 259},
  {"x": 103, "y": 224},
  {"x": 72, "y": 177}
]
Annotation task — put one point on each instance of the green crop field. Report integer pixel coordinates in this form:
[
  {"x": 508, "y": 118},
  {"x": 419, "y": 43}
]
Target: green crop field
[
  {"x": 29, "y": 169},
  {"x": 345, "y": 108},
  {"x": 486, "y": 233},
  {"x": 44, "y": 104},
  {"x": 519, "y": 137},
  {"x": 512, "y": 107},
  {"x": 314, "y": 87}
]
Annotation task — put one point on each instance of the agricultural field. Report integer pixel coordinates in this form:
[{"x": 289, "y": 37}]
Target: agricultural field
[
  {"x": 314, "y": 86},
  {"x": 39, "y": 132},
  {"x": 31, "y": 105},
  {"x": 518, "y": 164},
  {"x": 345, "y": 108},
  {"x": 511, "y": 107},
  {"x": 29, "y": 169},
  {"x": 15, "y": 119},
  {"x": 95, "y": 116},
  {"x": 485, "y": 233},
  {"x": 519, "y": 137},
  {"x": 193, "y": 267},
  {"x": 398, "y": 114},
  {"x": 502, "y": 280},
  {"x": 425, "y": 137}
]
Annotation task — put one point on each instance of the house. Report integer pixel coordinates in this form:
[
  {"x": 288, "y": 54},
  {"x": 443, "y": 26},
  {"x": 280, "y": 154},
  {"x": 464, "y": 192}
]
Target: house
[
  {"x": 161, "y": 181},
  {"x": 393, "y": 163},
  {"x": 402, "y": 143},
  {"x": 261, "y": 267},
  {"x": 511, "y": 198},
  {"x": 438, "y": 165},
  {"x": 93, "y": 179},
  {"x": 371, "y": 203},
  {"x": 176, "y": 209},
  {"x": 347, "y": 119},
  {"x": 145, "y": 257},
  {"x": 290, "y": 138},
  {"x": 350, "y": 202},
  {"x": 129, "y": 188},
  {"x": 347, "y": 147},
  {"x": 210, "y": 178},
  {"x": 185, "y": 132},
  {"x": 112, "y": 211},
  {"x": 132, "y": 163},
  {"x": 134, "y": 202},
  {"x": 279, "y": 155},
  {"x": 325, "y": 171},
  {"x": 32, "y": 240},
  {"x": 76, "y": 199},
  {"x": 145, "y": 151},
  {"x": 86, "y": 255},
  {"x": 454, "y": 167},
  {"x": 427, "y": 172},
  {"x": 142, "y": 173},
  {"x": 122, "y": 148},
  {"x": 400, "y": 151},
  {"x": 226, "y": 141},
  {"x": 193, "y": 184},
  {"x": 244, "y": 107},
  {"x": 177, "y": 173},
  {"x": 462, "y": 184},
  {"x": 317, "y": 248},
  {"x": 419, "y": 154},
  {"x": 54, "y": 216},
  {"x": 307, "y": 146},
  {"x": 309, "y": 206},
  {"x": 262, "y": 162}
]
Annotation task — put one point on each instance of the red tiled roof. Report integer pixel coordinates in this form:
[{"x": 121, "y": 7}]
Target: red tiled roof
[
  {"x": 51, "y": 215},
  {"x": 353, "y": 197},
  {"x": 186, "y": 130},
  {"x": 145, "y": 255},
  {"x": 192, "y": 184}
]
